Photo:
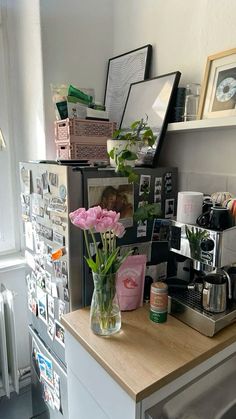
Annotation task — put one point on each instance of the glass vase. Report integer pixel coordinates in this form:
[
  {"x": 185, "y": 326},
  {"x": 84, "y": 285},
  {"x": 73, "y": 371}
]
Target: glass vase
[{"x": 105, "y": 315}]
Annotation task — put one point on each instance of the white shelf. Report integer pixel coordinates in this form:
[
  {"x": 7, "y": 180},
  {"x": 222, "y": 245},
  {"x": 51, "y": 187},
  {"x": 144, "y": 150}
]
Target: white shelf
[{"x": 202, "y": 124}]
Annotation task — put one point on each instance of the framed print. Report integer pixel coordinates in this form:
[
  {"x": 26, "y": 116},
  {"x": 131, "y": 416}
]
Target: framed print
[
  {"x": 218, "y": 96},
  {"x": 123, "y": 70},
  {"x": 151, "y": 100}
]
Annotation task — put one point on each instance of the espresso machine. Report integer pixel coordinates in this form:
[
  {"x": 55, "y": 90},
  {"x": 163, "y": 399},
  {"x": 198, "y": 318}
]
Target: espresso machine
[{"x": 202, "y": 295}]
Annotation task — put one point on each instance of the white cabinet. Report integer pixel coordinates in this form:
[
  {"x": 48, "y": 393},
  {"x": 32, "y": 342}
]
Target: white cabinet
[{"x": 94, "y": 393}]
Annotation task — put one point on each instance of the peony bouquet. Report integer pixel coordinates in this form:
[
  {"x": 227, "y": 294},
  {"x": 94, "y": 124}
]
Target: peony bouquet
[
  {"x": 105, "y": 317},
  {"x": 106, "y": 223}
]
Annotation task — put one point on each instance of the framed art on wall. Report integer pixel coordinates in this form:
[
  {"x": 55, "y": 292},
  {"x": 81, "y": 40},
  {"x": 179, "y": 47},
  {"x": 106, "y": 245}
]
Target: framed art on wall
[
  {"x": 218, "y": 96},
  {"x": 151, "y": 100},
  {"x": 123, "y": 70}
]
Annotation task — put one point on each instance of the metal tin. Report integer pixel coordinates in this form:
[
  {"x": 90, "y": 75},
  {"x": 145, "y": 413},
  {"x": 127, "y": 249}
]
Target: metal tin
[{"x": 158, "y": 302}]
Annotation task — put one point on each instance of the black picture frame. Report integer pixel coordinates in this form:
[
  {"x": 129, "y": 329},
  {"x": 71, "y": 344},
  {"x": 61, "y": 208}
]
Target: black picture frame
[
  {"x": 124, "y": 69},
  {"x": 153, "y": 100}
]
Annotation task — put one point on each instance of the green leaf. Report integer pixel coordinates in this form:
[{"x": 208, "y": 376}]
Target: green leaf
[
  {"x": 129, "y": 155},
  {"x": 112, "y": 154},
  {"x": 116, "y": 133},
  {"x": 92, "y": 265},
  {"x": 110, "y": 260}
]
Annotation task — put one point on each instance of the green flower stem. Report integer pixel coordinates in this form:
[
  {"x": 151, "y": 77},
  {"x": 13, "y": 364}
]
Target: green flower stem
[
  {"x": 97, "y": 252},
  {"x": 86, "y": 242},
  {"x": 104, "y": 293}
]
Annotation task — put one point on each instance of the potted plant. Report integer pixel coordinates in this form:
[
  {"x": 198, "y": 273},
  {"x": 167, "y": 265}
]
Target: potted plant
[{"x": 125, "y": 144}]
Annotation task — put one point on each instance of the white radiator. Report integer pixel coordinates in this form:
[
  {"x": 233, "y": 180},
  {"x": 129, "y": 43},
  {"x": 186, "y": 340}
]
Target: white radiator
[{"x": 9, "y": 376}]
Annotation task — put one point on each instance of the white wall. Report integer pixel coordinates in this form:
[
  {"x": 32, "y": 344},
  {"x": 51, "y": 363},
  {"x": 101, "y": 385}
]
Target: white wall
[
  {"x": 183, "y": 33},
  {"x": 25, "y": 59},
  {"x": 77, "y": 39}
]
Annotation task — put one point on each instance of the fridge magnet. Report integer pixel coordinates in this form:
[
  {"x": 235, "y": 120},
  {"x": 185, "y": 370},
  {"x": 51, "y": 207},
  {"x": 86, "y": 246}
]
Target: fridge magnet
[
  {"x": 66, "y": 295},
  {"x": 51, "y": 329},
  {"x": 29, "y": 238},
  {"x": 25, "y": 180},
  {"x": 142, "y": 228},
  {"x": 59, "y": 333},
  {"x": 57, "y": 396},
  {"x": 61, "y": 308},
  {"x": 56, "y": 380},
  {"x": 32, "y": 304},
  {"x": 57, "y": 268},
  {"x": 58, "y": 238},
  {"x": 54, "y": 290},
  {"x": 51, "y": 306},
  {"x": 37, "y": 205},
  {"x": 39, "y": 186},
  {"x": 46, "y": 210},
  {"x": 144, "y": 184},
  {"x": 157, "y": 199},
  {"x": 57, "y": 204},
  {"x": 44, "y": 182},
  {"x": 158, "y": 182},
  {"x": 57, "y": 402},
  {"x": 45, "y": 368},
  {"x": 114, "y": 194},
  {"x": 45, "y": 231},
  {"x": 62, "y": 192},
  {"x": 161, "y": 230},
  {"x": 138, "y": 249},
  {"x": 49, "y": 250},
  {"x": 48, "y": 395},
  {"x": 41, "y": 280},
  {"x": 169, "y": 208},
  {"x": 64, "y": 267},
  {"x": 42, "y": 305},
  {"x": 64, "y": 280},
  {"x": 53, "y": 179}
]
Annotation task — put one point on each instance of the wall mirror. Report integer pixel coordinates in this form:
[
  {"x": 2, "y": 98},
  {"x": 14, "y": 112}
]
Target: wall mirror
[{"x": 151, "y": 99}]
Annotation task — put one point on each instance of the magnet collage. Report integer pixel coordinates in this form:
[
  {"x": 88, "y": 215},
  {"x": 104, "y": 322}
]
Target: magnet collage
[
  {"x": 44, "y": 202},
  {"x": 49, "y": 378},
  {"x": 162, "y": 195}
]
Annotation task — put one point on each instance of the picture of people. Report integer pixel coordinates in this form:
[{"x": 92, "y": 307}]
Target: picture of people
[
  {"x": 144, "y": 187},
  {"x": 169, "y": 208},
  {"x": 60, "y": 333},
  {"x": 161, "y": 230},
  {"x": 113, "y": 194}
]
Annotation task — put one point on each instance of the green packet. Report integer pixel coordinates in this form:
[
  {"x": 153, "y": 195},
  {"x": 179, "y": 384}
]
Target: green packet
[{"x": 73, "y": 91}]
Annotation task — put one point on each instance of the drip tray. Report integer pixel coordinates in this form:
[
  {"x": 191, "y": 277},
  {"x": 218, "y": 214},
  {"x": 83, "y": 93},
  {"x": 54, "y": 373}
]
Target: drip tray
[{"x": 186, "y": 306}]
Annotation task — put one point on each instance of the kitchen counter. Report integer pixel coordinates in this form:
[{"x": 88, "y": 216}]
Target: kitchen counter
[{"x": 145, "y": 356}]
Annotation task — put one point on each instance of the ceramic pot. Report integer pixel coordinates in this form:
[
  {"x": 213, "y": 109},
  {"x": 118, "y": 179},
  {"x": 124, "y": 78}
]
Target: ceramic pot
[{"x": 119, "y": 145}]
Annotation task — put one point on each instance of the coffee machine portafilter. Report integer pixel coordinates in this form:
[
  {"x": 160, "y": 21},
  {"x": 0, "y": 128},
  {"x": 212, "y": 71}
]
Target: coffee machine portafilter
[{"x": 208, "y": 253}]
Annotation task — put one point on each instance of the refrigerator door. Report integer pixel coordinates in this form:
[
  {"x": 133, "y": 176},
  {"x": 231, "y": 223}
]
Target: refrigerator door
[
  {"x": 49, "y": 382},
  {"x": 45, "y": 199}
]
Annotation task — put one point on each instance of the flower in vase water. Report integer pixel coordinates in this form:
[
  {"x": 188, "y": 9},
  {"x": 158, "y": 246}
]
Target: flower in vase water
[{"x": 105, "y": 313}]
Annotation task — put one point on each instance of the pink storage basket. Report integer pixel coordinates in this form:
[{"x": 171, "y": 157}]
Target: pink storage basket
[{"x": 83, "y": 139}]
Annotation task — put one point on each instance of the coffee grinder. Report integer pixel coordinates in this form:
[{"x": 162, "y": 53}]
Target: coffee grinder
[{"x": 207, "y": 254}]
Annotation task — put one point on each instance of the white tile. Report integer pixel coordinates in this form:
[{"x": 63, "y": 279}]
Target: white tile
[
  {"x": 182, "y": 181},
  {"x": 207, "y": 183},
  {"x": 231, "y": 184}
]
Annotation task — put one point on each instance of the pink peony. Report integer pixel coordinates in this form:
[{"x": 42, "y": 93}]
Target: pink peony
[
  {"x": 86, "y": 220},
  {"x": 119, "y": 230},
  {"x": 107, "y": 221}
]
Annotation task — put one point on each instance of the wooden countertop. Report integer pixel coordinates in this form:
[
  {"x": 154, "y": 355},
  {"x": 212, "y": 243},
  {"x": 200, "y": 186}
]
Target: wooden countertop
[{"x": 144, "y": 356}]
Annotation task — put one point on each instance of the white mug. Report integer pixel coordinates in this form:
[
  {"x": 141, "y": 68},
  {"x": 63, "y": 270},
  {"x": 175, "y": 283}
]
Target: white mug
[{"x": 189, "y": 206}]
